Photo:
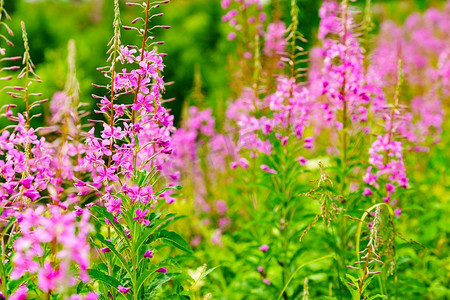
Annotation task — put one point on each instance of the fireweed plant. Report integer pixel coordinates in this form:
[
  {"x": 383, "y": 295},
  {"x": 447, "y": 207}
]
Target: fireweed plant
[
  {"x": 89, "y": 220},
  {"x": 315, "y": 157}
]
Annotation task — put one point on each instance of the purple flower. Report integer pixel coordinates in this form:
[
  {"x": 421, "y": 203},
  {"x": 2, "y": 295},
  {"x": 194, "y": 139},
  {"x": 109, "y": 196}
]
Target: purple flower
[
  {"x": 162, "y": 270},
  {"x": 264, "y": 248},
  {"x": 32, "y": 194},
  {"x": 123, "y": 290},
  {"x": 140, "y": 216},
  {"x": 302, "y": 160},
  {"x": 367, "y": 192},
  {"x": 267, "y": 169},
  {"x": 148, "y": 254},
  {"x": 231, "y": 36},
  {"x": 20, "y": 293}
]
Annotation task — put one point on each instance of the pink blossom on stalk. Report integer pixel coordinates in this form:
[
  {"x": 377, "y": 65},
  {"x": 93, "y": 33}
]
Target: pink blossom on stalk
[
  {"x": 48, "y": 278},
  {"x": 127, "y": 54},
  {"x": 162, "y": 270},
  {"x": 223, "y": 222},
  {"x": 225, "y": 3},
  {"x": 264, "y": 248},
  {"x": 367, "y": 192},
  {"x": 89, "y": 296},
  {"x": 140, "y": 216},
  {"x": 44, "y": 225},
  {"x": 302, "y": 160},
  {"x": 343, "y": 77},
  {"x": 123, "y": 290},
  {"x": 231, "y": 36},
  {"x": 216, "y": 238},
  {"x": 267, "y": 169},
  {"x": 386, "y": 163},
  {"x": 275, "y": 43},
  {"x": 20, "y": 293},
  {"x": 221, "y": 206},
  {"x": 148, "y": 254},
  {"x": 267, "y": 281},
  {"x": 229, "y": 15}
]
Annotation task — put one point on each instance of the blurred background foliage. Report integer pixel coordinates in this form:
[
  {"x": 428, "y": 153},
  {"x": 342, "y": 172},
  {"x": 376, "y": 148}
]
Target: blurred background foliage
[{"x": 195, "y": 42}]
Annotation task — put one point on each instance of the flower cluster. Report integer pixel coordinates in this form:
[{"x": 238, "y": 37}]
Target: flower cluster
[
  {"x": 132, "y": 143},
  {"x": 343, "y": 76},
  {"x": 200, "y": 155},
  {"x": 386, "y": 161},
  {"x": 251, "y": 9},
  {"x": 422, "y": 45},
  {"x": 64, "y": 234},
  {"x": 288, "y": 112}
]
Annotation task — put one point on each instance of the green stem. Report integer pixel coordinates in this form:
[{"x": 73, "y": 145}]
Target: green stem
[{"x": 299, "y": 268}]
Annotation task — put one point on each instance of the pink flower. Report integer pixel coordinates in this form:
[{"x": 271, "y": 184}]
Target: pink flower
[
  {"x": 267, "y": 281},
  {"x": 123, "y": 290},
  {"x": 89, "y": 296},
  {"x": 275, "y": 42},
  {"x": 148, "y": 254},
  {"x": 26, "y": 182},
  {"x": 221, "y": 207},
  {"x": 162, "y": 270},
  {"x": 140, "y": 216},
  {"x": 230, "y": 15},
  {"x": 267, "y": 169},
  {"x": 231, "y": 36},
  {"x": 302, "y": 160},
  {"x": 20, "y": 293},
  {"x": 115, "y": 132},
  {"x": 48, "y": 277},
  {"x": 225, "y": 3},
  {"x": 264, "y": 248},
  {"x": 367, "y": 192},
  {"x": 32, "y": 194},
  {"x": 390, "y": 188},
  {"x": 127, "y": 54},
  {"x": 105, "y": 174}
]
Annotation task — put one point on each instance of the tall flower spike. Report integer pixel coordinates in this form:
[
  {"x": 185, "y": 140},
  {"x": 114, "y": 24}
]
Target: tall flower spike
[
  {"x": 386, "y": 154},
  {"x": 27, "y": 73},
  {"x": 113, "y": 57},
  {"x": 27, "y": 163},
  {"x": 297, "y": 55}
]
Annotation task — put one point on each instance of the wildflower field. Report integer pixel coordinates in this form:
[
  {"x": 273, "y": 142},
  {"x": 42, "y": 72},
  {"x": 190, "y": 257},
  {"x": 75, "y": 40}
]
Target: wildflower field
[{"x": 224, "y": 149}]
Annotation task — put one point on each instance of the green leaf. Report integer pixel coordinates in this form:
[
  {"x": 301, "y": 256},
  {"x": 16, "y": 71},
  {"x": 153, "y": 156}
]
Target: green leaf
[
  {"x": 144, "y": 276},
  {"x": 118, "y": 227},
  {"x": 175, "y": 187},
  {"x": 174, "y": 239},
  {"x": 114, "y": 251},
  {"x": 100, "y": 276},
  {"x": 163, "y": 279},
  {"x": 367, "y": 282}
]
